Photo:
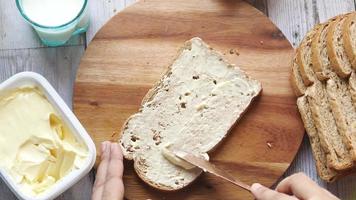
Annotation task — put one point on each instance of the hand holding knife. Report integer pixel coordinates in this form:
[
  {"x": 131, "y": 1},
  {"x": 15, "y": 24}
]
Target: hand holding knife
[{"x": 206, "y": 166}]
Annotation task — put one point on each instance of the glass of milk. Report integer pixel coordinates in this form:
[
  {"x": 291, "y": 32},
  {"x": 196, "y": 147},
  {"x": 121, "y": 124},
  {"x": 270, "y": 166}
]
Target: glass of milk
[{"x": 55, "y": 21}]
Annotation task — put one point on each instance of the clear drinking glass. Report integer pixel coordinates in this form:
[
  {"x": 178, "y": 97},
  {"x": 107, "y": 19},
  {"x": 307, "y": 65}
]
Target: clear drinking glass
[{"x": 59, "y": 35}]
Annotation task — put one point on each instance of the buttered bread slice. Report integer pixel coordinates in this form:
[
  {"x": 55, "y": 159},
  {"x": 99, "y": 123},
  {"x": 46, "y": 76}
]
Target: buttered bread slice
[{"x": 192, "y": 108}]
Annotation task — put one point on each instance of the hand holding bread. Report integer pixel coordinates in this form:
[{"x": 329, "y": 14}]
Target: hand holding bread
[
  {"x": 109, "y": 184},
  {"x": 108, "y": 181}
]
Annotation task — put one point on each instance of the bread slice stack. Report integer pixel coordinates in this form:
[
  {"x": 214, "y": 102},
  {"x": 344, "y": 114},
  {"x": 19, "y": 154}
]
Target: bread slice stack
[
  {"x": 192, "y": 108},
  {"x": 324, "y": 80}
]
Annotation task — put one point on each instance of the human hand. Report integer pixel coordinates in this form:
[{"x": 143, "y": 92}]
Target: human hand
[
  {"x": 108, "y": 181},
  {"x": 295, "y": 187}
]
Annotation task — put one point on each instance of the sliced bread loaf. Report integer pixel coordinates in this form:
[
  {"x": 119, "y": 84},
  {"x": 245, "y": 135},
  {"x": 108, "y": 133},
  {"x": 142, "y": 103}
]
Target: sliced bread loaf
[
  {"x": 324, "y": 171},
  {"x": 344, "y": 112},
  {"x": 338, "y": 156},
  {"x": 330, "y": 99},
  {"x": 296, "y": 79},
  {"x": 304, "y": 57},
  {"x": 349, "y": 37},
  {"x": 192, "y": 108},
  {"x": 335, "y": 48},
  {"x": 320, "y": 60}
]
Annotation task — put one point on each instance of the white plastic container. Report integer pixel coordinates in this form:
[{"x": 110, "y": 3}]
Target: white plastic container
[{"x": 31, "y": 78}]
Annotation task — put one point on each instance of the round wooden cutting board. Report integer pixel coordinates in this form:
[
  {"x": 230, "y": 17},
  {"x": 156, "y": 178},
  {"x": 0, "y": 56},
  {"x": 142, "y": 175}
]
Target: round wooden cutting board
[{"x": 131, "y": 52}]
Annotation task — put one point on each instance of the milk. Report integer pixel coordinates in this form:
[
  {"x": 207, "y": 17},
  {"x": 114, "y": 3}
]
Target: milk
[
  {"x": 55, "y": 20},
  {"x": 52, "y": 12}
]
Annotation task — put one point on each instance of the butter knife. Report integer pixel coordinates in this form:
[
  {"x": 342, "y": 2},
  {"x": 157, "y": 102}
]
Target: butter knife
[{"x": 206, "y": 166}]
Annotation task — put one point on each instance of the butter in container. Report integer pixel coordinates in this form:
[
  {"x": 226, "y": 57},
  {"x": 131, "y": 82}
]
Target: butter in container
[{"x": 44, "y": 148}]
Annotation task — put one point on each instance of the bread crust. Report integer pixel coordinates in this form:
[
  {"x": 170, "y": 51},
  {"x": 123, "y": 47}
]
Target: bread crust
[
  {"x": 296, "y": 80},
  {"x": 321, "y": 71},
  {"x": 151, "y": 94},
  {"x": 352, "y": 88},
  {"x": 316, "y": 59},
  {"x": 160, "y": 187},
  {"x": 338, "y": 67},
  {"x": 347, "y": 37},
  {"x": 305, "y": 69}
]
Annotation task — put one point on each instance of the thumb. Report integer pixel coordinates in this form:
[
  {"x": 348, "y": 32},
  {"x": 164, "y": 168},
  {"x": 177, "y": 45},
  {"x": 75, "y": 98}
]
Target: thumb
[{"x": 263, "y": 193}]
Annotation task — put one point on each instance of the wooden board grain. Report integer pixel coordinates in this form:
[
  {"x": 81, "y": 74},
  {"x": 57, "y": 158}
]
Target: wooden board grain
[{"x": 130, "y": 53}]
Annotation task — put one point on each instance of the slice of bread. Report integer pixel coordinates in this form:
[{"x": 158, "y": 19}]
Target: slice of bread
[
  {"x": 324, "y": 171},
  {"x": 320, "y": 59},
  {"x": 192, "y": 108},
  {"x": 338, "y": 156},
  {"x": 349, "y": 37},
  {"x": 344, "y": 112},
  {"x": 304, "y": 57},
  {"x": 352, "y": 88},
  {"x": 336, "y": 50},
  {"x": 296, "y": 80}
]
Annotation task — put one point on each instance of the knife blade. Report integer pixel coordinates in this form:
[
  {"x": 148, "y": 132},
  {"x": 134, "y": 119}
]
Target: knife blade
[{"x": 206, "y": 166}]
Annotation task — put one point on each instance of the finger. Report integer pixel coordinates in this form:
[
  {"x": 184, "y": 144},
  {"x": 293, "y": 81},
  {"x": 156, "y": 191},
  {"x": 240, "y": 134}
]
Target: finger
[
  {"x": 299, "y": 185},
  {"x": 263, "y": 193},
  {"x": 114, "y": 188},
  {"x": 101, "y": 171}
]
